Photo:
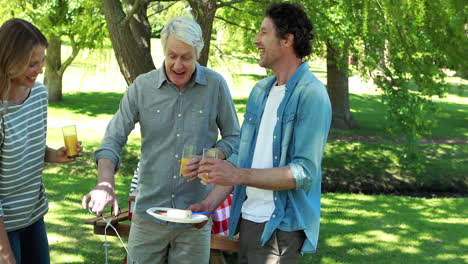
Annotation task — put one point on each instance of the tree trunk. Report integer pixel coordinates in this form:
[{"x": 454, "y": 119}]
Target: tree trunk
[
  {"x": 205, "y": 11},
  {"x": 338, "y": 89},
  {"x": 130, "y": 40},
  {"x": 53, "y": 75},
  {"x": 141, "y": 28}
]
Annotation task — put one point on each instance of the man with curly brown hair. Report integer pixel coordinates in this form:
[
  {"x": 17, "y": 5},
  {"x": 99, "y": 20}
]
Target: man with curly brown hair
[{"x": 276, "y": 169}]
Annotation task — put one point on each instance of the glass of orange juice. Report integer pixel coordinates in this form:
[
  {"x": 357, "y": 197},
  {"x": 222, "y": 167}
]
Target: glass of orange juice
[
  {"x": 209, "y": 153},
  {"x": 71, "y": 140},
  {"x": 188, "y": 153}
]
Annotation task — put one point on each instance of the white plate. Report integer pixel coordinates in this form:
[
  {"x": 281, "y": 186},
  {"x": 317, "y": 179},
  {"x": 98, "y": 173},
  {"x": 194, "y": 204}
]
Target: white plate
[{"x": 196, "y": 218}]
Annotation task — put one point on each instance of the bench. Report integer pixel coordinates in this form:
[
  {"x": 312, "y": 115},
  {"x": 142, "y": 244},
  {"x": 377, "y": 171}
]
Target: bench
[{"x": 219, "y": 243}]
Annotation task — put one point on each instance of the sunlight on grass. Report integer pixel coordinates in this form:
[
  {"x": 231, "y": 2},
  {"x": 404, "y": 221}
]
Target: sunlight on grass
[
  {"x": 343, "y": 221},
  {"x": 377, "y": 235},
  {"x": 400, "y": 235}
]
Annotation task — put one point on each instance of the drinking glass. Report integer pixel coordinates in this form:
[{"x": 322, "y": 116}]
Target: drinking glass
[
  {"x": 71, "y": 140},
  {"x": 209, "y": 153},
  {"x": 188, "y": 152}
]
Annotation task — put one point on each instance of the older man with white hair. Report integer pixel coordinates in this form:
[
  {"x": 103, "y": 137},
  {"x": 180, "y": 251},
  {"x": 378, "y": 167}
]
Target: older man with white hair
[{"x": 180, "y": 103}]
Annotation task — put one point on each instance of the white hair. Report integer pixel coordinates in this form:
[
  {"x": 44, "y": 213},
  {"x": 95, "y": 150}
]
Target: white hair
[{"x": 185, "y": 29}]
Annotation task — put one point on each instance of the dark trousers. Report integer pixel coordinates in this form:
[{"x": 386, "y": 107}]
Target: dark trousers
[
  {"x": 282, "y": 247},
  {"x": 30, "y": 244}
]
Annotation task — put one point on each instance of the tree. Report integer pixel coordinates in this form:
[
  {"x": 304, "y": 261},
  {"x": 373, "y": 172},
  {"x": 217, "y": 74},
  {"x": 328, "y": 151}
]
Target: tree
[
  {"x": 335, "y": 29},
  {"x": 77, "y": 20},
  {"x": 401, "y": 45},
  {"x": 130, "y": 35},
  {"x": 130, "y": 31},
  {"x": 241, "y": 31}
]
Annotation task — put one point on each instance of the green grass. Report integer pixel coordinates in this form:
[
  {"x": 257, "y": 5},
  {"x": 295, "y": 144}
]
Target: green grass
[
  {"x": 388, "y": 229},
  {"x": 72, "y": 241},
  {"x": 382, "y": 168},
  {"x": 354, "y": 228}
]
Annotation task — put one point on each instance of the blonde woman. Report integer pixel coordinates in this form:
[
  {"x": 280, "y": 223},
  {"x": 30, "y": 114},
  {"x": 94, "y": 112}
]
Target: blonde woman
[{"x": 23, "y": 149}]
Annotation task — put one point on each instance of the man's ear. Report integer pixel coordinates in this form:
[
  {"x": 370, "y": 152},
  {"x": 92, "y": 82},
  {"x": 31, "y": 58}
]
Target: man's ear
[{"x": 288, "y": 40}]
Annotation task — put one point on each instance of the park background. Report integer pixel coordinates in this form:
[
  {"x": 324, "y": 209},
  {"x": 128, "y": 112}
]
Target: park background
[{"x": 390, "y": 196}]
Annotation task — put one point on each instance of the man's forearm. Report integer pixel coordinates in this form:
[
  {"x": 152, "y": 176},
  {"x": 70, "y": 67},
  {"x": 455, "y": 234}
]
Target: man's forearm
[
  {"x": 220, "y": 154},
  {"x": 106, "y": 173},
  {"x": 216, "y": 196},
  {"x": 276, "y": 179},
  {"x": 6, "y": 254}
]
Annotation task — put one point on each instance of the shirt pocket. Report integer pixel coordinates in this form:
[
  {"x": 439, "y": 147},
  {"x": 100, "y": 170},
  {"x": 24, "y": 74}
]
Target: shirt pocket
[
  {"x": 288, "y": 129},
  {"x": 249, "y": 126},
  {"x": 157, "y": 119},
  {"x": 199, "y": 122}
]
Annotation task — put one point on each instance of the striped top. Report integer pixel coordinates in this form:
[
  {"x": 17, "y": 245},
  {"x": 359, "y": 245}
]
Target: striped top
[{"x": 23, "y": 133}]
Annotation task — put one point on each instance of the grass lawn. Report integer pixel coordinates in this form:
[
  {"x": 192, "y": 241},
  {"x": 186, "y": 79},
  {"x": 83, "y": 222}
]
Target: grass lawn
[
  {"x": 355, "y": 228},
  {"x": 388, "y": 229}
]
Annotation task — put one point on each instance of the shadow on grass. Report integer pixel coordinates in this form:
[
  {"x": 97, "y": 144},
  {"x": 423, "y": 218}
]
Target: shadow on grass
[
  {"x": 455, "y": 89},
  {"x": 379, "y": 229},
  {"x": 72, "y": 240},
  {"x": 89, "y": 103},
  {"x": 369, "y": 111},
  {"x": 382, "y": 168},
  {"x": 452, "y": 120}
]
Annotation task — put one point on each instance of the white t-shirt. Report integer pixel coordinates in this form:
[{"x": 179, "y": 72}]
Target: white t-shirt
[{"x": 259, "y": 204}]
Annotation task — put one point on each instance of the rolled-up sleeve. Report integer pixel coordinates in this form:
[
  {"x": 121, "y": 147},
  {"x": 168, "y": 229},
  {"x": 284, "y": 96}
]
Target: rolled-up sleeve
[
  {"x": 227, "y": 121},
  {"x": 310, "y": 136},
  {"x": 119, "y": 128}
]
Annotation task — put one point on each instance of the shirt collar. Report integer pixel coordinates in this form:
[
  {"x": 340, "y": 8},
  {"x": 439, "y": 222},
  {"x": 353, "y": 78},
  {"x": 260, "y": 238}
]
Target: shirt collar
[
  {"x": 292, "y": 82},
  {"x": 200, "y": 76}
]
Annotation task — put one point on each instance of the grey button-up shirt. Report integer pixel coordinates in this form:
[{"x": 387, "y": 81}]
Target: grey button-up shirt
[{"x": 169, "y": 118}]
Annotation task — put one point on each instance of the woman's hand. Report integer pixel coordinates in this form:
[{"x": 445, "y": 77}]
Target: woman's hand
[{"x": 60, "y": 155}]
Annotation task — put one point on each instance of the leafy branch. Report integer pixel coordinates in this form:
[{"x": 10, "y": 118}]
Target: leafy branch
[{"x": 235, "y": 24}]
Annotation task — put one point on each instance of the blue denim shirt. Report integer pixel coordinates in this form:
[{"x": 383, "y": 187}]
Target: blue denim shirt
[{"x": 299, "y": 138}]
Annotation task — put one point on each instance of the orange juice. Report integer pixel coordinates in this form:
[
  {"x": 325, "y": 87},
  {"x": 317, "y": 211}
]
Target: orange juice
[
  {"x": 71, "y": 143},
  {"x": 206, "y": 171},
  {"x": 211, "y": 153},
  {"x": 183, "y": 161}
]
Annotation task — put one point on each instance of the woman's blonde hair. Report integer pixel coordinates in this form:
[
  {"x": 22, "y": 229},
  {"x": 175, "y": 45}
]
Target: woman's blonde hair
[{"x": 18, "y": 38}]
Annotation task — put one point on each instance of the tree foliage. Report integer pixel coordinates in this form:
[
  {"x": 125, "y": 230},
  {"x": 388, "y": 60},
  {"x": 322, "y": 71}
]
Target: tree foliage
[
  {"x": 78, "y": 21},
  {"x": 402, "y": 45}
]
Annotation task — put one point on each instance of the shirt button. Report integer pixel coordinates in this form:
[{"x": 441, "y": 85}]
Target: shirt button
[
  {"x": 276, "y": 157},
  {"x": 201, "y": 112},
  {"x": 179, "y": 115},
  {"x": 250, "y": 119},
  {"x": 157, "y": 111},
  {"x": 276, "y": 198},
  {"x": 180, "y": 93},
  {"x": 274, "y": 137},
  {"x": 273, "y": 216},
  {"x": 178, "y": 156},
  {"x": 175, "y": 177},
  {"x": 178, "y": 134},
  {"x": 172, "y": 196}
]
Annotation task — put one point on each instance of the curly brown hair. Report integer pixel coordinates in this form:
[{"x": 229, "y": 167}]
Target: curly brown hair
[{"x": 292, "y": 19}]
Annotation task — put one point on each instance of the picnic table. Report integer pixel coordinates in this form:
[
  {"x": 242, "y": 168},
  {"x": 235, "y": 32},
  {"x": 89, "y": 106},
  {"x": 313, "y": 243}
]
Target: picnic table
[{"x": 219, "y": 243}]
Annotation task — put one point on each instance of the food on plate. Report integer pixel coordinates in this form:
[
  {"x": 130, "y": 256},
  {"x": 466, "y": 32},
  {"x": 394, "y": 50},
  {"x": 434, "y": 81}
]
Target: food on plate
[{"x": 177, "y": 213}]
